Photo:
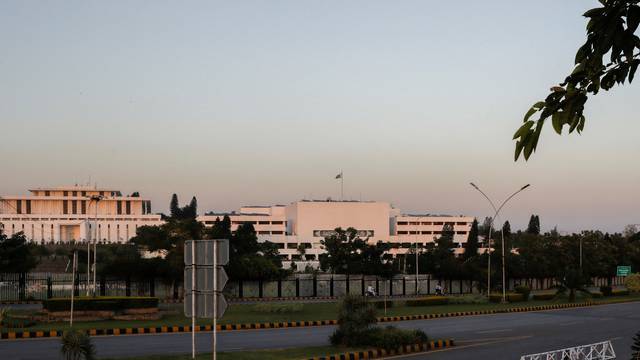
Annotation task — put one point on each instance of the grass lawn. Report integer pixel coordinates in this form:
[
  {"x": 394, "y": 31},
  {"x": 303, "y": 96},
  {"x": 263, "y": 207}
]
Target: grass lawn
[
  {"x": 249, "y": 313},
  {"x": 273, "y": 354}
]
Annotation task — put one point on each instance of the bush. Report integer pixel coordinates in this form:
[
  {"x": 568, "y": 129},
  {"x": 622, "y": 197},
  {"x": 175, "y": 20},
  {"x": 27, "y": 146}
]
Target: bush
[
  {"x": 391, "y": 338},
  {"x": 428, "y": 301},
  {"x": 596, "y": 294},
  {"x": 278, "y": 308},
  {"x": 606, "y": 290},
  {"x": 468, "y": 299},
  {"x": 544, "y": 296},
  {"x": 100, "y": 303},
  {"x": 632, "y": 282},
  {"x": 620, "y": 292},
  {"x": 524, "y": 290},
  {"x": 355, "y": 320},
  {"x": 11, "y": 322},
  {"x": 511, "y": 297},
  {"x": 381, "y": 305},
  {"x": 77, "y": 345}
]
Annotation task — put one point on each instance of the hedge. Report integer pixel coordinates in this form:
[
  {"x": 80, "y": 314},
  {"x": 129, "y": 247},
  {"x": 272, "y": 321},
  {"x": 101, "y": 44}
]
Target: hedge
[
  {"x": 511, "y": 297},
  {"x": 100, "y": 303},
  {"x": 620, "y": 292},
  {"x": 428, "y": 301},
  {"x": 380, "y": 304},
  {"x": 544, "y": 296}
]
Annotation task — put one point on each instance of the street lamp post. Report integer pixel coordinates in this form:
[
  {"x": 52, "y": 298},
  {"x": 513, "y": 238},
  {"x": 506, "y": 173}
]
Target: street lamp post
[
  {"x": 97, "y": 199},
  {"x": 496, "y": 213}
]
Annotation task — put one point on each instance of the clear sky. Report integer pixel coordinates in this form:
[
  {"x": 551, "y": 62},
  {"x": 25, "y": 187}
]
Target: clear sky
[{"x": 261, "y": 102}]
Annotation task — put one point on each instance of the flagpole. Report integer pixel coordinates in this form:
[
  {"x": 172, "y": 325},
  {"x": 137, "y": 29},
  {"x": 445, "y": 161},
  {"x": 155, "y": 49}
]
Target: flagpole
[{"x": 341, "y": 186}]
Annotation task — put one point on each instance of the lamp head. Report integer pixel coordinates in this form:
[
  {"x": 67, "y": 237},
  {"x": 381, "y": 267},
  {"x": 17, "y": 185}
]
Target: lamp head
[{"x": 526, "y": 186}]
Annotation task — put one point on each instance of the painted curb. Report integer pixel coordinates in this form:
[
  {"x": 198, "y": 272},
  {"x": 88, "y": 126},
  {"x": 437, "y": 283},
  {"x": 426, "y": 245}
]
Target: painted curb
[
  {"x": 11, "y": 335},
  {"x": 380, "y": 353}
]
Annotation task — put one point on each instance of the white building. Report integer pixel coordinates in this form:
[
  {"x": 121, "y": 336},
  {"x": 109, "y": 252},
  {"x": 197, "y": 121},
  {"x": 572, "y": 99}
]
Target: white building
[
  {"x": 306, "y": 223},
  {"x": 71, "y": 213}
]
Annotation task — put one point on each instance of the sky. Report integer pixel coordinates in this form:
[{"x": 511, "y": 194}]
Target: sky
[{"x": 264, "y": 102}]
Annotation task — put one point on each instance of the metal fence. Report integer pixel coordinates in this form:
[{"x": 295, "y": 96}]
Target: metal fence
[{"x": 40, "y": 286}]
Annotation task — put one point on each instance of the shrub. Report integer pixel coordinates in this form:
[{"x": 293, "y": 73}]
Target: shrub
[
  {"x": 11, "y": 322},
  {"x": 524, "y": 290},
  {"x": 632, "y": 282},
  {"x": 77, "y": 345},
  {"x": 428, "y": 301},
  {"x": 278, "y": 308},
  {"x": 511, "y": 297},
  {"x": 100, "y": 303},
  {"x": 596, "y": 294},
  {"x": 544, "y": 296},
  {"x": 468, "y": 299},
  {"x": 391, "y": 338},
  {"x": 606, "y": 290},
  {"x": 620, "y": 292},
  {"x": 355, "y": 319},
  {"x": 381, "y": 305}
]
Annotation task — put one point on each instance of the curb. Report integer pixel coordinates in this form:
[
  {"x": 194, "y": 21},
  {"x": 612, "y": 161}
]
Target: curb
[
  {"x": 18, "y": 302},
  {"x": 379, "y": 353},
  {"x": 11, "y": 335}
]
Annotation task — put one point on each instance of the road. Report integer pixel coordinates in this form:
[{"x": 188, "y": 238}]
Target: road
[{"x": 500, "y": 336}]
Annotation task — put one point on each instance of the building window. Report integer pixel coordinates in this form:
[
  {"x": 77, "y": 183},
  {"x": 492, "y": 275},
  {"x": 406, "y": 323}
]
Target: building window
[
  {"x": 263, "y": 223},
  {"x": 28, "y": 206},
  {"x": 65, "y": 207},
  {"x": 119, "y": 204},
  {"x": 427, "y": 223},
  {"x": 128, "y": 207},
  {"x": 101, "y": 193},
  {"x": 47, "y": 193},
  {"x": 75, "y": 193},
  {"x": 461, "y": 232},
  {"x": 426, "y": 233},
  {"x": 18, "y": 206},
  {"x": 402, "y": 233},
  {"x": 402, "y": 223},
  {"x": 277, "y": 232},
  {"x": 84, "y": 207},
  {"x": 280, "y": 245},
  {"x": 461, "y": 223},
  {"x": 65, "y": 193},
  {"x": 74, "y": 207},
  {"x": 264, "y": 232},
  {"x": 438, "y": 223},
  {"x": 292, "y": 246},
  {"x": 277, "y": 223},
  {"x": 84, "y": 193}
]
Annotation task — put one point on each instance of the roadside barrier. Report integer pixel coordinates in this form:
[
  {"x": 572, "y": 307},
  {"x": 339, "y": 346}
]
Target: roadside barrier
[{"x": 379, "y": 353}]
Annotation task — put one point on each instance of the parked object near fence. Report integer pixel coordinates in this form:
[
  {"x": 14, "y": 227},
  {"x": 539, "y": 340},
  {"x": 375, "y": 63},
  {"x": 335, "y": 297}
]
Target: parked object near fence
[{"x": 598, "y": 351}]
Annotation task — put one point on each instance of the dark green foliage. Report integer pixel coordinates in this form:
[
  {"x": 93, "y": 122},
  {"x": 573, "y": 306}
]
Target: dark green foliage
[
  {"x": 356, "y": 327},
  {"x": 606, "y": 290},
  {"x": 15, "y": 254},
  {"x": 606, "y": 58},
  {"x": 620, "y": 292},
  {"x": 356, "y": 317},
  {"x": 76, "y": 345},
  {"x": 472, "y": 245},
  {"x": 635, "y": 347},
  {"x": 248, "y": 259},
  {"x": 174, "y": 207},
  {"x": 506, "y": 229},
  {"x": 544, "y": 296},
  {"x": 534, "y": 225},
  {"x": 524, "y": 290},
  {"x": 111, "y": 303},
  {"x": 428, "y": 301},
  {"x": 511, "y": 297},
  {"x": 347, "y": 253},
  {"x": 572, "y": 281}
]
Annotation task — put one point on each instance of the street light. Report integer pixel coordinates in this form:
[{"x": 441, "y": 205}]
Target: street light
[
  {"x": 95, "y": 198},
  {"x": 497, "y": 211}
]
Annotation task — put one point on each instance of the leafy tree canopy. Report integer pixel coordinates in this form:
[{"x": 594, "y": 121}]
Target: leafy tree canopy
[{"x": 608, "y": 57}]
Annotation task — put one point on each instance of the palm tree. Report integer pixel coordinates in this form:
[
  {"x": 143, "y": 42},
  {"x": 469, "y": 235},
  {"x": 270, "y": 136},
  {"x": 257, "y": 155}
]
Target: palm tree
[
  {"x": 572, "y": 282},
  {"x": 636, "y": 347},
  {"x": 76, "y": 345}
]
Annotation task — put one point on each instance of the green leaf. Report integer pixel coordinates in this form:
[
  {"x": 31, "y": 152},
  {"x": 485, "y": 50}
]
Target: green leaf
[
  {"x": 583, "y": 52},
  {"x": 594, "y": 12},
  {"x": 557, "y": 122},
  {"x": 536, "y": 107},
  {"x": 523, "y": 129},
  {"x": 633, "y": 18}
]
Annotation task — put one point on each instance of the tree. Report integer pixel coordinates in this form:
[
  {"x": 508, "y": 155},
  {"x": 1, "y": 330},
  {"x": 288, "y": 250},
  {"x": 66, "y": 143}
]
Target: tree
[
  {"x": 610, "y": 30},
  {"x": 15, "y": 255},
  {"x": 506, "y": 229},
  {"x": 472, "y": 246},
  {"x": 630, "y": 230},
  {"x": 191, "y": 211},
  {"x": 572, "y": 281},
  {"x": 174, "y": 207},
  {"x": 347, "y": 253},
  {"x": 76, "y": 345},
  {"x": 635, "y": 348},
  {"x": 534, "y": 225},
  {"x": 444, "y": 261}
]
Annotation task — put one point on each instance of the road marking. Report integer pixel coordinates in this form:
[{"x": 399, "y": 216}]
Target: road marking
[
  {"x": 513, "y": 338},
  {"x": 493, "y": 331}
]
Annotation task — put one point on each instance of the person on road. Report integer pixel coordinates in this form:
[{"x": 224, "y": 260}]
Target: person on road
[
  {"x": 370, "y": 291},
  {"x": 439, "y": 289}
]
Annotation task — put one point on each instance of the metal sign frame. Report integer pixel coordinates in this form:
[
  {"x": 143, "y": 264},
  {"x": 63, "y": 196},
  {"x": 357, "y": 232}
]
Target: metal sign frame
[{"x": 598, "y": 351}]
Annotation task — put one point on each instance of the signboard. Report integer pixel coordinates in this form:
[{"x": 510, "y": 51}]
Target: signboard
[
  {"x": 209, "y": 276},
  {"x": 623, "y": 271}
]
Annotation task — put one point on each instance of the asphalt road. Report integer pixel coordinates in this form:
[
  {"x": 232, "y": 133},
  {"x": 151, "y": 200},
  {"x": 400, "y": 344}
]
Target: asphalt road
[{"x": 501, "y": 336}]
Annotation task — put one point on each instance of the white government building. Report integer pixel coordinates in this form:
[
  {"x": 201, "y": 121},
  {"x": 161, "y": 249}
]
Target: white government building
[
  {"x": 307, "y": 222},
  {"x": 63, "y": 214},
  {"x": 71, "y": 213}
]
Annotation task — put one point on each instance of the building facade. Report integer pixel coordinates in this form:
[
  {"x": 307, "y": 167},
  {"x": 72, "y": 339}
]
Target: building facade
[
  {"x": 75, "y": 213},
  {"x": 306, "y": 223}
]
